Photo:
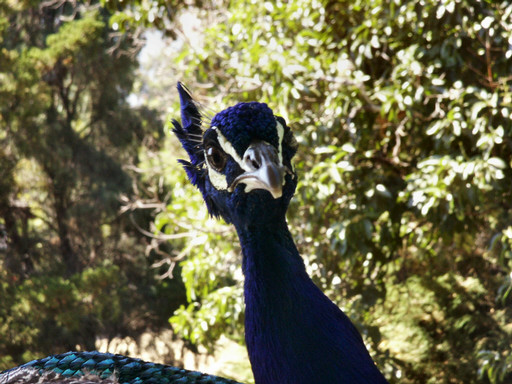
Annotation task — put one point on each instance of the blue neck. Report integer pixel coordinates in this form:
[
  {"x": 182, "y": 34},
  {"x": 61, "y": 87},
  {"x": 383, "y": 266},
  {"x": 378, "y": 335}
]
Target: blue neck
[{"x": 294, "y": 333}]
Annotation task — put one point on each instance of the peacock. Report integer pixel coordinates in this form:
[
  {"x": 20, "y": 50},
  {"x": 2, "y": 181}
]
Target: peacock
[{"x": 242, "y": 165}]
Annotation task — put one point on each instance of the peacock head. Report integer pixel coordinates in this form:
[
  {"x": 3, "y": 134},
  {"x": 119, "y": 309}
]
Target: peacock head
[{"x": 241, "y": 163}]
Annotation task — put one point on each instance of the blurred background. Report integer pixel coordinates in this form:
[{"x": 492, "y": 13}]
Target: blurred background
[{"x": 403, "y": 214}]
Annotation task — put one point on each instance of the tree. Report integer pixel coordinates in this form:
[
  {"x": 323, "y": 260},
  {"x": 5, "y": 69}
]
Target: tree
[
  {"x": 402, "y": 110},
  {"x": 69, "y": 139}
]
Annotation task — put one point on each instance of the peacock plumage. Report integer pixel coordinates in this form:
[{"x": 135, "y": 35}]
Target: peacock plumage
[
  {"x": 105, "y": 368},
  {"x": 242, "y": 165}
]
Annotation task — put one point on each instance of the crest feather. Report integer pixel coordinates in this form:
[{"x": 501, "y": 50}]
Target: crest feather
[{"x": 189, "y": 133}]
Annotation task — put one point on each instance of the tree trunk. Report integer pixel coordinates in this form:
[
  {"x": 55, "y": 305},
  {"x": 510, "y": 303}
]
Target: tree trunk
[{"x": 69, "y": 256}]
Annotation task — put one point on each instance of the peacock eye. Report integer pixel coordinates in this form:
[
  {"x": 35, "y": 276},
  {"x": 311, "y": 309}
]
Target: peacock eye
[{"x": 216, "y": 158}]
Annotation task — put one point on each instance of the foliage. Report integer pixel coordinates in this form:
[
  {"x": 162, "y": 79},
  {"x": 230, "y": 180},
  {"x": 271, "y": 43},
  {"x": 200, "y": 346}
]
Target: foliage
[
  {"x": 146, "y": 13},
  {"x": 403, "y": 213},
  {"x": 402, "y": 110},
  {"x": 72, "y": 264},
  {"x": 48, "y": 313},
  {"x": 211, "y": 271}
]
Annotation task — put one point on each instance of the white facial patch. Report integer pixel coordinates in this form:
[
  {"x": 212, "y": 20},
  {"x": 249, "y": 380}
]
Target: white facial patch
[
  {"x": 217, "y": 179},
  {"x": 280, "y": 135},
  {"x": 228, "y": 148}
]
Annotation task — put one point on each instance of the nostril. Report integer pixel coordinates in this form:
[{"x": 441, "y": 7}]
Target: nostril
[
  {"x": 255, "y": 163},
  {"x": 251, "y": 159}
]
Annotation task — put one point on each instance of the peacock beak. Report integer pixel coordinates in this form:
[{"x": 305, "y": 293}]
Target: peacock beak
[{"x": 263, "y": 170}]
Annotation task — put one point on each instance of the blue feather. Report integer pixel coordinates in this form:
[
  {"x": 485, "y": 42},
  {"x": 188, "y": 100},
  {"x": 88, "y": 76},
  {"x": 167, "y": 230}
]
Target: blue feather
[
  {"x": 97, "y": 367},
  {"x": 294, "y": 333}
]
